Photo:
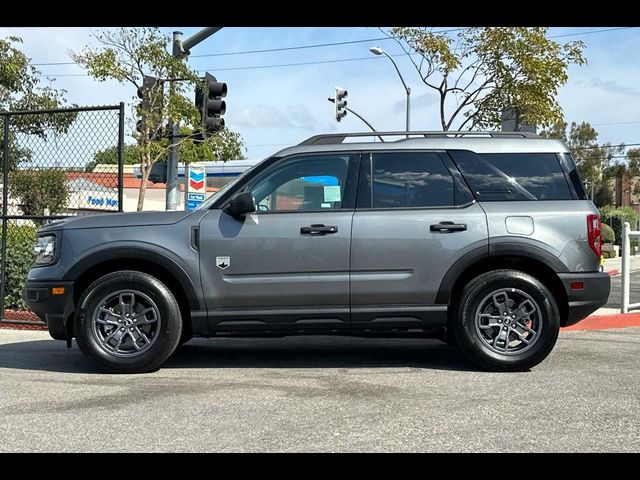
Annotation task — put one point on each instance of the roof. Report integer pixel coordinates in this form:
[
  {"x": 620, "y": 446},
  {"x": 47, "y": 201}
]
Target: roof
[
  {"x": 97, "y": 181},
  {"x": 473, "y": 141}
]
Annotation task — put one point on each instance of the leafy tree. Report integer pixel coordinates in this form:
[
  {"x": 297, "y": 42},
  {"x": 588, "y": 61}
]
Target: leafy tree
[
  {"x": 633, "y": 167},
  {"x": 226, "y": 146},
  {"x": 20, "y": 89},
  {"x": 127, "y": 55},
  {"x": 615, "y": 217},
  {"x": 608, "y": 235},
  {"x": 38, "y": 190},
  {"x": 109, "y": 156},
  {"x": 486, "y": 69}
]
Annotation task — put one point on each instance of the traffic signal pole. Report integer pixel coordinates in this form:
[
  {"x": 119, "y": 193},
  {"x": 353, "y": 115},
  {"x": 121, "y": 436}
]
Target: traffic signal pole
[{"x": 181, "y": 50}]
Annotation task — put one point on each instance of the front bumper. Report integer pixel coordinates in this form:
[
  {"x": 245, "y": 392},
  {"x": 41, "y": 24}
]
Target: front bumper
[
  {"x": 52, "y": 309},
  {"x": 583, "y": 302}
]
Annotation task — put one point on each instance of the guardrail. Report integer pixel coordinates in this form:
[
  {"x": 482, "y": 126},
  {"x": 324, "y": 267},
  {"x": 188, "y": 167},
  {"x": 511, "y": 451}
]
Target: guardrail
[{"x": 627, "y": 235}]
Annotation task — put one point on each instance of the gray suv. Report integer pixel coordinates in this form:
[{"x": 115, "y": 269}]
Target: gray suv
[{"x": 486, "y": 239}]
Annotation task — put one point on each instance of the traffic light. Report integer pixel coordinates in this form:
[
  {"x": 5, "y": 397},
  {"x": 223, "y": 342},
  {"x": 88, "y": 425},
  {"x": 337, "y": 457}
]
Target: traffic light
[
  {"x": 209, "y": 101},
  {"x": 340, "y": 103},
  {"x": 150, "y": 108},
  {"x": 158, "y": 173}
]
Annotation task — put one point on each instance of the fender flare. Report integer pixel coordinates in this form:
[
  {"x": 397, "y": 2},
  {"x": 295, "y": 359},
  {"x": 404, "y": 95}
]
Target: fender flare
[
  {"x": 148, "y": 253},
  {"x": 500, "y": 249}
]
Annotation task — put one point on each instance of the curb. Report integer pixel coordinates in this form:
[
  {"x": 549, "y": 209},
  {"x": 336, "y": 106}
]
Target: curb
[
  {"x": 605, "y": 322},
  {"x": 613, "y": 273}
]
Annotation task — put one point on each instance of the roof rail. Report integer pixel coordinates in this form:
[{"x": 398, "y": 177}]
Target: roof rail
[{"x": 331, "y": 138}]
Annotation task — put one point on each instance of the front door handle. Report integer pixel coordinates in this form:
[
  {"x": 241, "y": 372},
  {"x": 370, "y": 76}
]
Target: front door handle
[
  {"x": 448, "y": 227},
  {"x": 317, "y": 229}
]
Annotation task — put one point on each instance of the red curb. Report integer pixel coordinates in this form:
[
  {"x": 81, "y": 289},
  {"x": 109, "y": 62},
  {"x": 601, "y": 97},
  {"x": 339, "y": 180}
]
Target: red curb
[
  {"x": 604, "y": 322},
  {"x": 613, "y": 273}
]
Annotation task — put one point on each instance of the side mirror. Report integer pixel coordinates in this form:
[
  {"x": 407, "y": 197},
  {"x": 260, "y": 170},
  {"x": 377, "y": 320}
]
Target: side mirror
[{"x": 241, "y": 204}]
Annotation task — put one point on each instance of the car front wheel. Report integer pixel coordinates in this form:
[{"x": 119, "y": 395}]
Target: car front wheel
[{"x": 128, "y": 322}]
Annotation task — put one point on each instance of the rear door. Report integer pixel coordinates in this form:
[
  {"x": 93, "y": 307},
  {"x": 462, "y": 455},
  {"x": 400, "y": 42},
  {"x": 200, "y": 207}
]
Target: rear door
[{"x": 415, "y": 218}]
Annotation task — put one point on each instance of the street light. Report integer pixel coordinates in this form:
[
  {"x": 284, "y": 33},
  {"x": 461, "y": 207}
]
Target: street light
[{"x": 379, "y": 51}]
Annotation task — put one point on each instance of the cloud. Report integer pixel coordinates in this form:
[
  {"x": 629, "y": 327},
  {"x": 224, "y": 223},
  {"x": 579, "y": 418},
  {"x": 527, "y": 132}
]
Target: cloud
[
  {"x": 262, "y": 116},
  {"x": 614, "y": 87}
]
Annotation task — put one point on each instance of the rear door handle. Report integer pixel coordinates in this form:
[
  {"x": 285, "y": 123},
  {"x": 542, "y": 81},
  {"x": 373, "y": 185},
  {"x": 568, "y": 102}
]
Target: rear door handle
[
  {"x": 318, "y": 229},
  {"x": 448, "y": 227}
]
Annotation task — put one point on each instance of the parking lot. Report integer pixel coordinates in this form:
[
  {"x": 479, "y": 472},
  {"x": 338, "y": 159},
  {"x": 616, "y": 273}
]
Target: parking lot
[{"x": 322, "y": 394}]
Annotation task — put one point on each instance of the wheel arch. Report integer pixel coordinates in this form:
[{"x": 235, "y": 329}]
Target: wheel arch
[
  {"x": 529, "y": 261},
  {"x": 98, "y": 264}
]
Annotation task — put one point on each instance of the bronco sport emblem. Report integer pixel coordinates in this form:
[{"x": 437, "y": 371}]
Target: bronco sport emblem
[{"x": 223, "y": 262}]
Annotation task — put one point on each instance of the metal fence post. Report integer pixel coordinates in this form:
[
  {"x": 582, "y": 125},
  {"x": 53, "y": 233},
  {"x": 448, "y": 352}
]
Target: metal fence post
[
  {"x": 5, "y": 201},
  {"x": 121, "y": 158},
  {"x": 626, "y": 250}
]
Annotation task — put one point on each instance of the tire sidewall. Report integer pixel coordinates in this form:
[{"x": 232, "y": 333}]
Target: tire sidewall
[
  {"x": 469, "y": 338},
  {"x": 170, "y": 322}
]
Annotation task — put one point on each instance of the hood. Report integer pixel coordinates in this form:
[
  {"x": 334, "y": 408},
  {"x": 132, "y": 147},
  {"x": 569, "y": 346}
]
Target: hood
[{"x": 135, "y": 219}]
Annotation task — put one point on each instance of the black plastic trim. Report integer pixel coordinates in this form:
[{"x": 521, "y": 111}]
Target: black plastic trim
[
  {"x": 54, "y": 310},
  {"x": 582, "y": 303},
  {"x": 158, "y": 258},
  {"x": 523, "y": 248}
]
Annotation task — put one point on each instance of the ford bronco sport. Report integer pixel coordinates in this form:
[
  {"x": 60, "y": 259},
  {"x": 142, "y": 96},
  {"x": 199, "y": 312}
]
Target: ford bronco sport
[{"x": 488, "y": 237}]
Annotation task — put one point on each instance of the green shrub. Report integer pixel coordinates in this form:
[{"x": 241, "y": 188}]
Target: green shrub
[
  {"x": 20, "y": 240},
  {"x": 615, "y": 218},
  {"x": 608, "y": 235}
]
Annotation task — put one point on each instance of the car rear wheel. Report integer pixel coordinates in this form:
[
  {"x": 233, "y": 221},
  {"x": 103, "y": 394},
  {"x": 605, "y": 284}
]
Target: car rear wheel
[
  {"x": 128, "y": 322},
  {"x": 506, "y": 320}
]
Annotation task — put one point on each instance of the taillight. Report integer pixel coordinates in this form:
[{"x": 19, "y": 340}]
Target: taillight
[{"x": 594, "y": 234}]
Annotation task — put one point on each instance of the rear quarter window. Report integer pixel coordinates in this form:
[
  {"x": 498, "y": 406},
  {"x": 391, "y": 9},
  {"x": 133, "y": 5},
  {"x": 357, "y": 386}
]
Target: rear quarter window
[{"x": 513, "y": 176}]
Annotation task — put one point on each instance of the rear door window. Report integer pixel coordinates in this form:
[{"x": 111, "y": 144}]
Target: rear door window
[
  {"x": 513, "y": 176},
  {"x": 406, "y": 180}
]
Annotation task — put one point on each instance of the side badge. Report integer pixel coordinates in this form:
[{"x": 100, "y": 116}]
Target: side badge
[{"x": 223, "y": 262}]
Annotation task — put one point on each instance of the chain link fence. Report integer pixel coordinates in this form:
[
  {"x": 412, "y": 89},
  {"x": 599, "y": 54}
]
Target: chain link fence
[{"x": 55, "y": 163}]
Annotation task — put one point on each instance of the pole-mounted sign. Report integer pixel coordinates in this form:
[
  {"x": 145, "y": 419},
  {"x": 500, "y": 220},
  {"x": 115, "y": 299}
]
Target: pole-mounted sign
[{"x": 196, "y": 185}]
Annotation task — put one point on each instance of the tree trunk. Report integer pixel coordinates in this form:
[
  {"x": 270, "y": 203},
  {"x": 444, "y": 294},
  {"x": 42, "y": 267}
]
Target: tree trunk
[{"x": 146, "y": 171}]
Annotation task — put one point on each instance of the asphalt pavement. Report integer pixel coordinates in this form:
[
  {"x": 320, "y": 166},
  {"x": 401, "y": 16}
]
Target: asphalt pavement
[{"x": 322, "y": 394}]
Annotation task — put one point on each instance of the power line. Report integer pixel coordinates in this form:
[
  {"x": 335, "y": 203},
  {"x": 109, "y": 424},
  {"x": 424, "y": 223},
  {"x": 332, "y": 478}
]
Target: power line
[
  {"x": 300, "y": 47},
  {"x": 590, "y": 32},
  {"x": 255, "y": 67},
  {"x": 267, "y": 50},
  {"x": 608, "y": 146},
  {"x": 614, "y": 123},
  {"x": 332, "y": 44}
]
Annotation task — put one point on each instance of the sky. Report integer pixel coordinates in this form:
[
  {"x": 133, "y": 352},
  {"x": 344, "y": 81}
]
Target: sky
[{"x": 274, "y": 107}]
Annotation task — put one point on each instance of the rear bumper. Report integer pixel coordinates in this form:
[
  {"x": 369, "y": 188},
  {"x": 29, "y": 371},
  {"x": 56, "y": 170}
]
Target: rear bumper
[
  {"x": 51, "y": 309},
  {"x": 587, "y": 300}
]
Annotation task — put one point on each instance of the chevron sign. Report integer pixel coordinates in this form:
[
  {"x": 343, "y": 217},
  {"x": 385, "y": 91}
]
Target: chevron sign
[{"x": 197, "y": 179}]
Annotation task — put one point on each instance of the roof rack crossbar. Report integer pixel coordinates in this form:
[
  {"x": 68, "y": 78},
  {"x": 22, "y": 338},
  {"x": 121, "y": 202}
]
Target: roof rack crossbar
[{"x": 332, "y": 138}]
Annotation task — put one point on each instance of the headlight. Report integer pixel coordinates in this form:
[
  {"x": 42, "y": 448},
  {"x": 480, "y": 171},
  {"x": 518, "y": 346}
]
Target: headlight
[{"x": 45, "y": 250}]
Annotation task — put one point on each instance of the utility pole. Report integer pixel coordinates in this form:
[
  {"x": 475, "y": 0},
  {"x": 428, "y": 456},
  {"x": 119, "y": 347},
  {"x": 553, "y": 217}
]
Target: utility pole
[{"x": 181, "y": 50}]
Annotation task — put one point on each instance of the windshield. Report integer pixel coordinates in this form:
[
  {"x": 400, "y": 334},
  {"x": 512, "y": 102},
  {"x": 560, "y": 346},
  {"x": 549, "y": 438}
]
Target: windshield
[{"x": 207, "y": 203}]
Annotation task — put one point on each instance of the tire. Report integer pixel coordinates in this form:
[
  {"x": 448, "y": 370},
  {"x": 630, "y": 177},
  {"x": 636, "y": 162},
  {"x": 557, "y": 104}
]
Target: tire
[
  {"x": 137, "y": 328},
  {"x": 482, "y": 305}
]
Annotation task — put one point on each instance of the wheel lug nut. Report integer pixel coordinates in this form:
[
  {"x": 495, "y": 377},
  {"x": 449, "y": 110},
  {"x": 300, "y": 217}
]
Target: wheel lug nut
[{"x": 122, "y": 329}]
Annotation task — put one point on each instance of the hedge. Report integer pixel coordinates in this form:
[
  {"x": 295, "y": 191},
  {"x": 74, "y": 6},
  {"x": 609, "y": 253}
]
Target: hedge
[
  {"x": 20, "y": 241},
  {"x": 608, "y": 235}
]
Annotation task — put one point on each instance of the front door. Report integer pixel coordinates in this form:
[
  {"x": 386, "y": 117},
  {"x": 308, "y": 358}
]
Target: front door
[
  {"x": 415, "y": 219},
  {"x": 287, "y": 264}
]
